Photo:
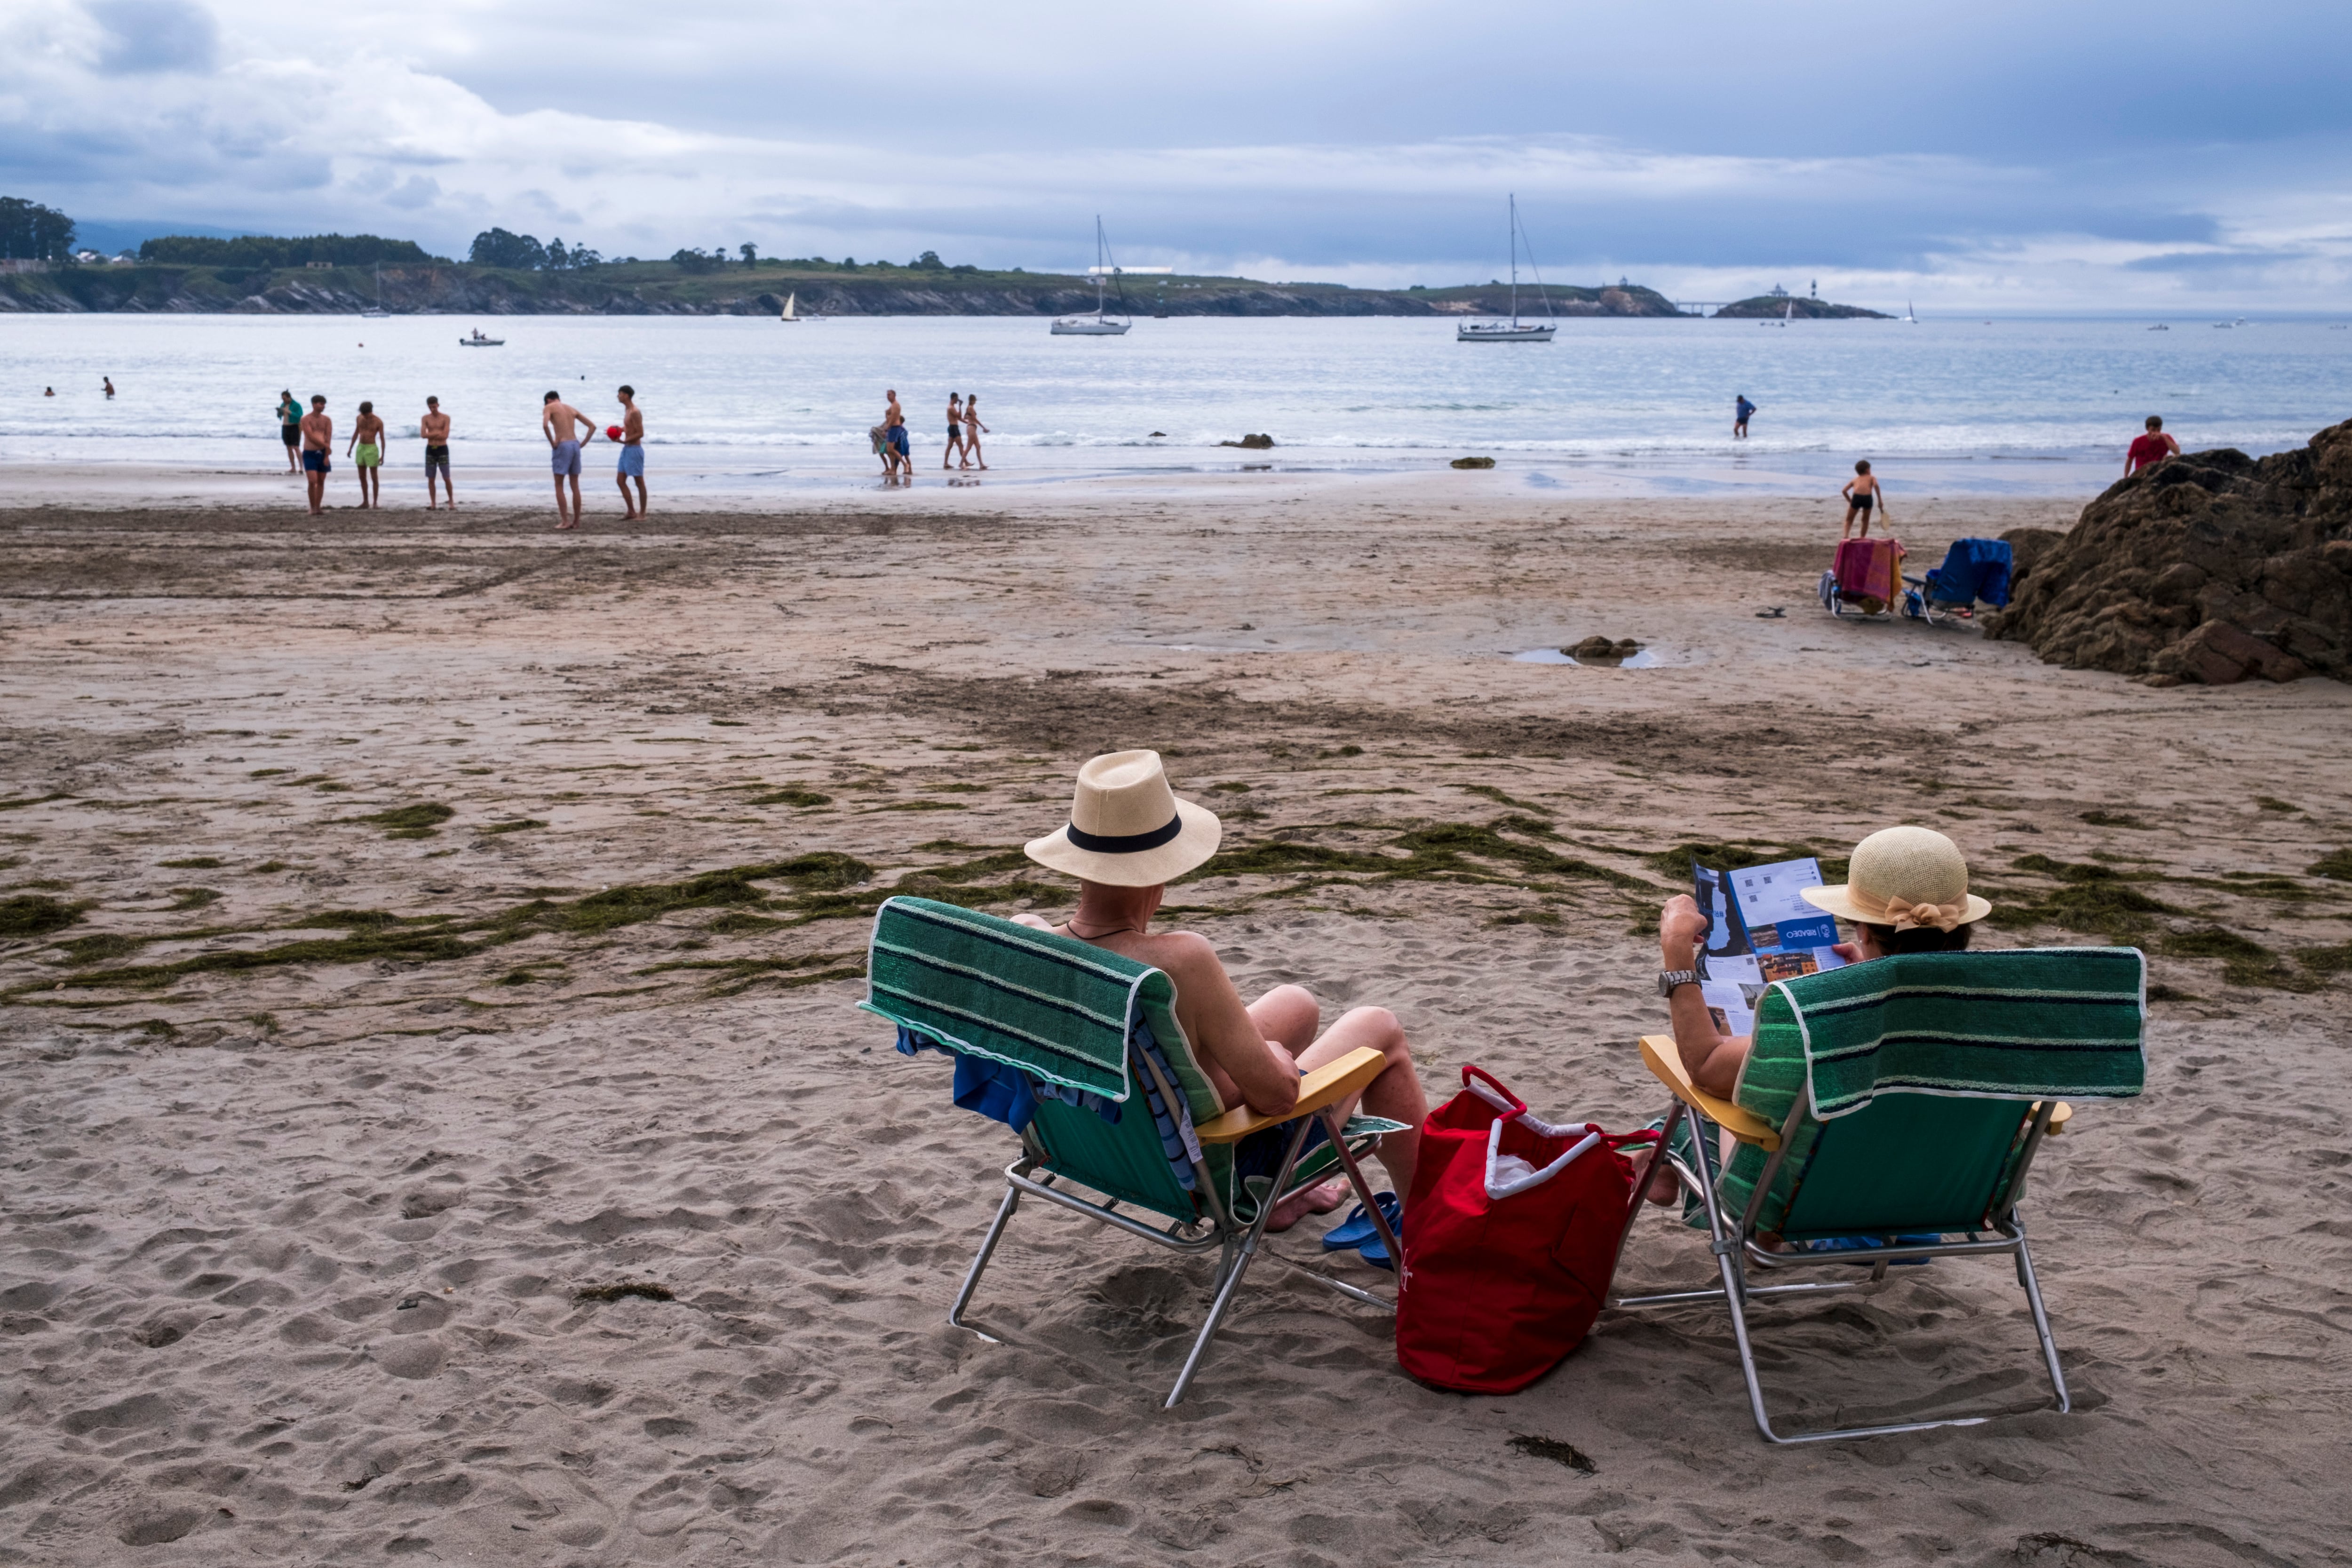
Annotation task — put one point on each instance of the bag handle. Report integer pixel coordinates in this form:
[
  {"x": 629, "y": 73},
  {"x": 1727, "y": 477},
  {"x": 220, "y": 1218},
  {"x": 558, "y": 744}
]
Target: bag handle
[{"x": 1500, "y": 1097}]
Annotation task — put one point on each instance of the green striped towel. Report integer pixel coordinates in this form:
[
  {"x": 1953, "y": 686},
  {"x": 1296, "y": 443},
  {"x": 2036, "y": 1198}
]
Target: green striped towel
[
  {"x": 2017, "y": 1024},
  {"x": 1058, "y": 1009}
]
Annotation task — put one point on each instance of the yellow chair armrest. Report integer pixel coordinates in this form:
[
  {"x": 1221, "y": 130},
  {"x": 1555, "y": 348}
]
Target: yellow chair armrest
[
  {"x": 1658, "y": 1053},
  {"x": 1326, "y": 1086},
  {"x": 2059, "y": 1116}
]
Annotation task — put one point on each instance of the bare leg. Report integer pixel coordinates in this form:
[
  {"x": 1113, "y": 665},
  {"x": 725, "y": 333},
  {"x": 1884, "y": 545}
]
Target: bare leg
[
  {"x": 1395, "y": 1094},
  {"x": 628, "y": 510},
  {"x": 1288, "y": 1016},
  {"x": 642, "y": 508},
  {"x": 563, "y": 519}
]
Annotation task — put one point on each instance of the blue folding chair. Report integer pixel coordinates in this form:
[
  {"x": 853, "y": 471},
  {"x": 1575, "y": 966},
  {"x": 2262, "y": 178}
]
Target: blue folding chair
[{"x": 1974, "y": 571}]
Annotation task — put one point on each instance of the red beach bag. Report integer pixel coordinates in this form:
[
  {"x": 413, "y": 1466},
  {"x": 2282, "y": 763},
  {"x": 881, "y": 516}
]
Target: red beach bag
[{"x": 1510, "y": 1239}]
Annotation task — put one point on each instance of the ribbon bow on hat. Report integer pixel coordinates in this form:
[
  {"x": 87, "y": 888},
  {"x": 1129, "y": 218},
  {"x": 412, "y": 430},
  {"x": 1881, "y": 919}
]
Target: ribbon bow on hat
[{"x": 1904, "y": 915}]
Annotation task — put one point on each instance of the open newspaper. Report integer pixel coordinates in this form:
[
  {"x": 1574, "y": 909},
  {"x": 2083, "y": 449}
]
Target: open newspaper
[{"x": 1763, "y": 931}]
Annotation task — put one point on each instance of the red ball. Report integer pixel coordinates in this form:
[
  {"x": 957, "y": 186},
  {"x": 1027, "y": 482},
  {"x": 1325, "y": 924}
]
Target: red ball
[{"x": 612, "y": 432}]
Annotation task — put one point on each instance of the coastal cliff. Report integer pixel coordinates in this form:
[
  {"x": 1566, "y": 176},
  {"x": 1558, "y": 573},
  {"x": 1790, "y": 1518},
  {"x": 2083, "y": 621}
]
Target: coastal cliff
[{"x": 662, "y": 287}]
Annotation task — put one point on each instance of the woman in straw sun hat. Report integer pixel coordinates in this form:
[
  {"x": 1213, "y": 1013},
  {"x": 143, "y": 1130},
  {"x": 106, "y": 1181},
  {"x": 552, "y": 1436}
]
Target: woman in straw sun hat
[
  {"x": 1129, "y": 836},
  {"x": 1907, "y": 890}
]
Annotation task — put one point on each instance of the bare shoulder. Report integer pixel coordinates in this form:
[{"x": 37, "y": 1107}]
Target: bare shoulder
[{"x": 1179, "y": 953}]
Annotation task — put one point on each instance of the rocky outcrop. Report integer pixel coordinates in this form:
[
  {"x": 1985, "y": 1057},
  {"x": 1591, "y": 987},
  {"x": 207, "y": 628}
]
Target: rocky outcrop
[
  {"x": 2211, "y": 566},
  {"x": 1766, "y": 307}
]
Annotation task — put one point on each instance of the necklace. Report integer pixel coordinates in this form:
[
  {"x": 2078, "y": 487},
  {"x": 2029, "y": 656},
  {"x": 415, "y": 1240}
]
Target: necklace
[{"x": 1110, "y": 930}]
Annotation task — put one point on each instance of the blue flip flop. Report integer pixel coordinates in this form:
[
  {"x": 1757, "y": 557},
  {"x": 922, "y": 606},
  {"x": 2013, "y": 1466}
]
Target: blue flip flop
[
  {"x": 1374, "y": 1253},
  {"x": 1357, "y": 1228}
]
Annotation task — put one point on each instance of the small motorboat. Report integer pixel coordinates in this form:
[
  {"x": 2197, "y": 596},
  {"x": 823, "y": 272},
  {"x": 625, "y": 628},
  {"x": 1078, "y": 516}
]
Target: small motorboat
[{"x": 480, "y": 342}]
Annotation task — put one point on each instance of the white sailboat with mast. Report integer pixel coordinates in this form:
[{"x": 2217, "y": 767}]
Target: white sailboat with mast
[
  {"x": 376, "y": 311},
  {"x": 1100, "y": 324},
  {"x": 1514, "y": 331},
  {"x": 790, "y": 316}
]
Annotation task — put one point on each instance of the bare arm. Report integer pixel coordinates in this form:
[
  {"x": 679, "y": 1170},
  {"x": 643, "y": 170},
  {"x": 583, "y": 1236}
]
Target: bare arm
[
  {"x": 1712, "y": 1058},
  {"x": 1222, "y": 1031}
]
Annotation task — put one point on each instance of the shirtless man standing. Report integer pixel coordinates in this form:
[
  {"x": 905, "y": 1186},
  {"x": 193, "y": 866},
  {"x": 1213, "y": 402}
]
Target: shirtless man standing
[
  {"x": 1127, "y": 837},
  {"x": 1862, "y": 492},
  {"x": 633, "y": 455},
  {"x": 955, "y": 430},
  {"x": 318, "y": 444},
  {"x": 894, "y": 438},
  {"x": 367, "y": 435},
  {"x": 435, "y": 428},
  {"x": 565, "y": 428}
]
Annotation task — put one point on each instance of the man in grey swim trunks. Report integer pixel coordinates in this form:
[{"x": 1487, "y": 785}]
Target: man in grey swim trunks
[
  {"x": 565, "y": 428},
  {"x": 633, "y": 455},
  {"x": 435, "y": 428}
]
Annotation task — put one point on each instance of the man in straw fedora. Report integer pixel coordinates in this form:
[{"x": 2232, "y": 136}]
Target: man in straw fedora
[
  {"x": 1126, "y": 839},
  {"x": 1907, "y": 890}
]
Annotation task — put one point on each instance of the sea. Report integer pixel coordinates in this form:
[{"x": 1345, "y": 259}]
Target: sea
[{"x": 748, "y": 407}]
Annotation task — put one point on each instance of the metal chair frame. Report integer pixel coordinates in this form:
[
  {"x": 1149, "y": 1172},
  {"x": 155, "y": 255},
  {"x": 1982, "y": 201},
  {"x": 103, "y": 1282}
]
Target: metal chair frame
[
  {"x": 1737, "y": 1250},
  {"x": 1237, "y": 1246}
]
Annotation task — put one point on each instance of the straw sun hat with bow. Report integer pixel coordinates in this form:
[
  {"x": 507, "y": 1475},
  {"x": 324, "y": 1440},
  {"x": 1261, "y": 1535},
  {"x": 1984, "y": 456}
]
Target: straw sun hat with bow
[
  {"x": 1126, "y": 829},
  {"x": 1903, "y": 877}
]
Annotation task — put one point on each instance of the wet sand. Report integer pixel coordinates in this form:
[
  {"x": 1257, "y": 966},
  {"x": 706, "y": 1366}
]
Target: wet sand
[{"x": 419, "y": 925}]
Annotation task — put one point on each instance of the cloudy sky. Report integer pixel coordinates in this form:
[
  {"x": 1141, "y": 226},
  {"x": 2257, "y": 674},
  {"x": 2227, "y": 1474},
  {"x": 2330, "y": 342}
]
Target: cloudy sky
[{"x": 1996, "y": 156}]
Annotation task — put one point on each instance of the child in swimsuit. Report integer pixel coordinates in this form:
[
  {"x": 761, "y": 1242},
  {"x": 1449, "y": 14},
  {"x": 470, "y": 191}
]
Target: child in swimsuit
[{"x": 1861, "y": 493}]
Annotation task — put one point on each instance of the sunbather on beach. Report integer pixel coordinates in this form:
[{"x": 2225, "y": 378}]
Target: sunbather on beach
[
  {"x": 1907, "y": 890},
  {"x": 1127, "y": 837}
]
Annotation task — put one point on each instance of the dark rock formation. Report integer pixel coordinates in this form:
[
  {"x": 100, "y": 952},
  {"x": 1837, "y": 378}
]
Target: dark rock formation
[
  {"x": 1473, "y": 462},
  {"x": 1252, "y": 443},
  {"x": 2211, "y": 567}
]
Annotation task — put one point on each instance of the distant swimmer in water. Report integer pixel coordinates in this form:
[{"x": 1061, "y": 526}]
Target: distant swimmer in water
[
  {"x": 1740, "y": 409},
  {"x": 973, "y": 429},
  {"x": 109, "y": 384},
  {"x": 955, "y": 430},
  {"x": 367, "y": 436},
  {"x": 48, "y": 392},
  {"x": 1862, "y": 493}
]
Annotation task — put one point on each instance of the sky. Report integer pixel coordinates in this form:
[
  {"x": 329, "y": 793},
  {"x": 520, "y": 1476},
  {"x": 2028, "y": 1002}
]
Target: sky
[{"x": 1995, "y": 158}]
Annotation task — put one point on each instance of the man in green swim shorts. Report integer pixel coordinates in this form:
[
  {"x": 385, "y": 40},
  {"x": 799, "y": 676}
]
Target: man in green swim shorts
[{"x": 367, "y": 435}]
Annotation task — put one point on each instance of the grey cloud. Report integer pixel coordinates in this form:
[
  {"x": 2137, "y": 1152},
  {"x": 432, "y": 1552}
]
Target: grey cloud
[
  {"x": 415, "y": 192},
  {"x": 147, "y": 36}
]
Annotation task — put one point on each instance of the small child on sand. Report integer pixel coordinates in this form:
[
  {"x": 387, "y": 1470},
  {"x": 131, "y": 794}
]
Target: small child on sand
[{"x": 1862, "y": 492}]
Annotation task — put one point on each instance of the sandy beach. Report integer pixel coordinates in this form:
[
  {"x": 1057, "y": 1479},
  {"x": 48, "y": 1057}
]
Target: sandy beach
[{"x": 420, "y": 925}]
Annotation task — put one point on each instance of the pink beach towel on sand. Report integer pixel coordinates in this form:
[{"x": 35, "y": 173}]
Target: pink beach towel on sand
[{"x": 1869, "y": 567}]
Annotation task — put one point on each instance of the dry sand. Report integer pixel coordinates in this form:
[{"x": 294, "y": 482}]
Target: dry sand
[{"x": 292, "y": 1247}]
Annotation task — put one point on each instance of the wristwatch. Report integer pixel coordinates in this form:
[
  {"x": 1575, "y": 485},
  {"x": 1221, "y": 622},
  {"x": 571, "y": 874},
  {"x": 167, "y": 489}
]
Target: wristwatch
[{"x": 1670, "y": 978}]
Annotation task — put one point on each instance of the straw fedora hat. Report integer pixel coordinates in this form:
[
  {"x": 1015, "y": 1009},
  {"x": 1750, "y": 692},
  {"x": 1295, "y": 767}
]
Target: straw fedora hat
[
  {"x": 1904, "y": 877},
  {"x": 1126, "y": 829}
]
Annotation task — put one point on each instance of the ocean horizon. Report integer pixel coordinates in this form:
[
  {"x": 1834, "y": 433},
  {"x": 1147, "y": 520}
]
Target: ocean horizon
[{"x": 748, "y": 406}]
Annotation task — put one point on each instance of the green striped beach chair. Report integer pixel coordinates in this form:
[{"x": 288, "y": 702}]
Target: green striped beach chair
[
  {"x": 1892, "y": 1110},
  {"x": 1122, "y": 1110}
]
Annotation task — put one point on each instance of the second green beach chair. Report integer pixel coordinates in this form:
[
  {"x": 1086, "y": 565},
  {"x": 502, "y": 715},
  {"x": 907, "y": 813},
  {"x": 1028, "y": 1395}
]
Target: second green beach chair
[{"x": 1892, "y": 1110}]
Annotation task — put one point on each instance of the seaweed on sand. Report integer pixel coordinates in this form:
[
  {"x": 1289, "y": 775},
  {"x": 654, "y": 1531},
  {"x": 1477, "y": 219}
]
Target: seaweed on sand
[
  {"x": 421, "y": 820},
  {"x": 2244, "y": 962},
  {"x": 36, "y": 914},
  {"x": 792, "y": 795}
]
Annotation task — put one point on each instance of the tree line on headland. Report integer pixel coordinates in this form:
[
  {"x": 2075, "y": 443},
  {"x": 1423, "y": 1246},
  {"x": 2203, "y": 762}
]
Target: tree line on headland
[{"x": 506, "y": 273}]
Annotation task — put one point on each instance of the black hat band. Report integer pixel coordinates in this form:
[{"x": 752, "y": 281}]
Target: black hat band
[{"x": 1126, "y": 843}]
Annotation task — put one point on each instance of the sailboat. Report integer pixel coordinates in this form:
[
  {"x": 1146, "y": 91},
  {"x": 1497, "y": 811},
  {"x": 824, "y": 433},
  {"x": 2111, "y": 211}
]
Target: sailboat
[
  {"x": 1909, "y": 319},
  {"x": 1514, "y": 331},
  {"x": 376, "y": 311},
  {"x": 1099, "y": 325},
  {"x": 791, "y": 317}
]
